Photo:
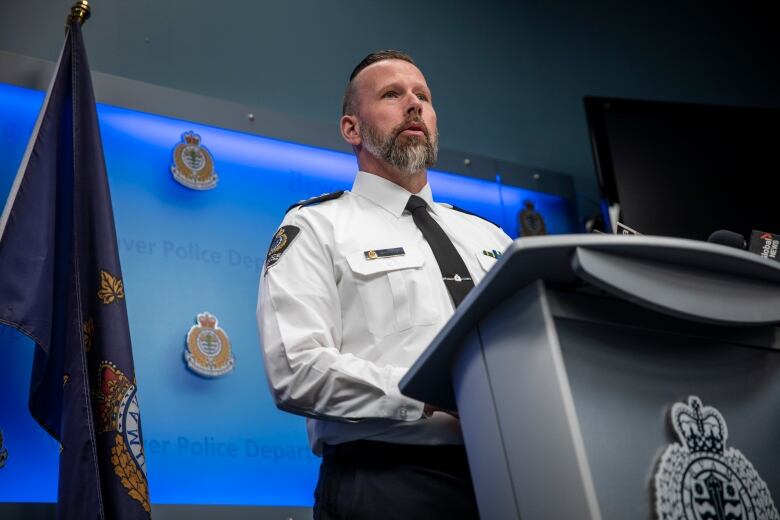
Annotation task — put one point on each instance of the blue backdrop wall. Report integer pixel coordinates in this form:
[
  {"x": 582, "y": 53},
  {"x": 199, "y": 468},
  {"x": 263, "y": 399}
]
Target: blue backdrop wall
[{"x": 183, "y": 252}]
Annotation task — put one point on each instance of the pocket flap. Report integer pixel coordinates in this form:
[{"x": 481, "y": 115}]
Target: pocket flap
[
  {"x": 412, "y": 258},
  {"x": 487, "y": 262}
]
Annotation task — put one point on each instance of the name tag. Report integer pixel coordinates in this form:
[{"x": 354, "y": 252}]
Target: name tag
[{"x": 373, "y": 254}]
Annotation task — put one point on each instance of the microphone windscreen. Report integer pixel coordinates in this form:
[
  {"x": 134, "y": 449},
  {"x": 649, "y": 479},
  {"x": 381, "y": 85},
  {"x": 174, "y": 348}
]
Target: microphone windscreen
[{"x": 728, "y": 238}]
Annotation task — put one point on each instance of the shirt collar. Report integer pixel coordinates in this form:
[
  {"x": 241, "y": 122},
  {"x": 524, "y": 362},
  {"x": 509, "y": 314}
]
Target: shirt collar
[{"x": 388, "y": 194}]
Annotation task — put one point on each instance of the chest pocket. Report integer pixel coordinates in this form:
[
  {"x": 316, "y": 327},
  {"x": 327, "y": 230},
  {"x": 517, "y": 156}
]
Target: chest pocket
[
  {"x": 485, "y": 261},
  {"x": 394, "y": 291}
]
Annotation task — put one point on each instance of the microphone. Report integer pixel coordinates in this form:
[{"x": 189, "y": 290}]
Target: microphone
[
  {"x": 728, "y": 238},
  {"x": 764, "y": 244}
]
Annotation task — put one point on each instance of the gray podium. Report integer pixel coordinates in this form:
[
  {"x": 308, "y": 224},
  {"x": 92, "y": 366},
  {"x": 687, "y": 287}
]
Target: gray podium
[{"x": 565, "y": 361}]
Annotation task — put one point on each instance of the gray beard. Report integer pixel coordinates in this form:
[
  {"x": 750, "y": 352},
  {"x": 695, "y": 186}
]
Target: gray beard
[{"x": 411, "y": 155}]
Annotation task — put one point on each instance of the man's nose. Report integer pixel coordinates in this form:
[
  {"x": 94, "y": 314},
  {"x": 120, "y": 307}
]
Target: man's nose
[{"x": 414, "y": 105}]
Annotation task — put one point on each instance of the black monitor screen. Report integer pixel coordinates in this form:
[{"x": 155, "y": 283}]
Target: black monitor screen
[{"x": 687, "y": 170}]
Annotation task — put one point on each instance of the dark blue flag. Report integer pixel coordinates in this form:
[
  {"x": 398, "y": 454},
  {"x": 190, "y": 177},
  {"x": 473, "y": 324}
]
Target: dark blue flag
[{"x": 61, "y": 284}]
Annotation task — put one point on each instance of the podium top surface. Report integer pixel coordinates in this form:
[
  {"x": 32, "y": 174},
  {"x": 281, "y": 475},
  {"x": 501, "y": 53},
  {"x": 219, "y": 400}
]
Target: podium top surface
[{"x": 687, "y": 279}]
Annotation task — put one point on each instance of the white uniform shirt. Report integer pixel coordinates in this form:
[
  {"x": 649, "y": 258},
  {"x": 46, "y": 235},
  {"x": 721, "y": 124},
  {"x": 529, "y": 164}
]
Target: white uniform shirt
[{"x": 339, "y": 330}]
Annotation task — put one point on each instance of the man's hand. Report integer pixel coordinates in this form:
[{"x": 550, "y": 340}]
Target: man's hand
[{"x": 429, "y": 409}]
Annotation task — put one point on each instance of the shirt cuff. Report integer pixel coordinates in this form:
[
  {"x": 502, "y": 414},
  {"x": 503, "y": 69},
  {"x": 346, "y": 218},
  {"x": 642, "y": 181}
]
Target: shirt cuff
[{"x": 398, "y": 406}]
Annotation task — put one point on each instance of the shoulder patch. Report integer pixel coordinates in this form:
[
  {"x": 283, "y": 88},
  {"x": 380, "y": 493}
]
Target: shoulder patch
[
  {"x": 279, "y": 244},
  {"x": 456, "y": 208},
  {"x": 316, "y": 200}
]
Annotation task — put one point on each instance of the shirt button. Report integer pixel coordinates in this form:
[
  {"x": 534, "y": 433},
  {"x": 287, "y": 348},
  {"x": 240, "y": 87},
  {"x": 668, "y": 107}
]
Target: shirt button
[{"x": 403, "y": 413}]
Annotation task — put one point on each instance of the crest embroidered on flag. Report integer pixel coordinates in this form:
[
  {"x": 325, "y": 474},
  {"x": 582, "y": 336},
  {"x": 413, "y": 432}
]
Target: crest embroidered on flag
[{"x": 118, "y": 412}]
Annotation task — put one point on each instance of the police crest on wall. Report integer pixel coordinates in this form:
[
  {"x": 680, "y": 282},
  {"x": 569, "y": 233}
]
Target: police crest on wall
[
  {"x": 699, "y": 478},
  {"x": 193, "y": 165},
  {"x": 208, "y": 351},
  {"x": 530, "y": 222},
  {"x": 3, "y": 452}
]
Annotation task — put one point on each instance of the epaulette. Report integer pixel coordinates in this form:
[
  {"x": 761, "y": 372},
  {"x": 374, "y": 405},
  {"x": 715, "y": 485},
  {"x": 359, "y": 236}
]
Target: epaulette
[
  {"x": 316, "y": 200},
  {"x": 456, "y": 208}
]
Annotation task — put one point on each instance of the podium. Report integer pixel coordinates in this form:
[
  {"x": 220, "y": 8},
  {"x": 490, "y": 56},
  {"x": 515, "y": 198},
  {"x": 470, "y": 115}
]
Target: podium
[{"x": 565, "y": 361}]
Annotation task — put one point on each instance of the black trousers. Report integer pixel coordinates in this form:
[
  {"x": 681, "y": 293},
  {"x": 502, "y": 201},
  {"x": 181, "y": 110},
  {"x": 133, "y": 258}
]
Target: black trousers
[{"x": 368, "y": 480}]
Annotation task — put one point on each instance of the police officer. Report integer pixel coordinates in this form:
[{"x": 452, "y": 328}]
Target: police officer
[{"x": 356, "y": 285}]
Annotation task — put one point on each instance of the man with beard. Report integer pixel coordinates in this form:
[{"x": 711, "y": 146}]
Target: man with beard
[{"x": 356, "y": 285}]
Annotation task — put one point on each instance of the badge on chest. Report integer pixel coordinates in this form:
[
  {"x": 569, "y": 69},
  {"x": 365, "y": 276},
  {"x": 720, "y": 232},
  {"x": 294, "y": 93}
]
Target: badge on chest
[{"x": 374, "y": 254}]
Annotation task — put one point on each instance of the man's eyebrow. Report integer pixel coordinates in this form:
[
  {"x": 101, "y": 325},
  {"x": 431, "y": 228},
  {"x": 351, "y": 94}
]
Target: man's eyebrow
[
  {"x": 386, "y": 86},
  {"x": 397, "y": 85}
]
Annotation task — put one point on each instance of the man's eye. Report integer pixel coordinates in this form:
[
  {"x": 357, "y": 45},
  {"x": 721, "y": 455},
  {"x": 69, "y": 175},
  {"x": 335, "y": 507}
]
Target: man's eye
[
  {"x": 422, "y": 97},
  {"x": 390, "y": 94}
]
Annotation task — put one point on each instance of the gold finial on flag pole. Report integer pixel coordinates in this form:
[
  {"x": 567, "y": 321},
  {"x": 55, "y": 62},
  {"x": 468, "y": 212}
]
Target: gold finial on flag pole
[{"x": 79, "y": 12}]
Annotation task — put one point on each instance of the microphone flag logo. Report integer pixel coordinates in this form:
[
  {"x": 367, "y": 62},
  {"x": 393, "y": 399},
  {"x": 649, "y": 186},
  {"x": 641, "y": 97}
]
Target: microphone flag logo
[{"x": 764, "y": 244}]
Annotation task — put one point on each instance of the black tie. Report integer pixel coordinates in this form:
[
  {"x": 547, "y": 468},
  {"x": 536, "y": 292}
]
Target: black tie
[{"x": 454, "y": 273}]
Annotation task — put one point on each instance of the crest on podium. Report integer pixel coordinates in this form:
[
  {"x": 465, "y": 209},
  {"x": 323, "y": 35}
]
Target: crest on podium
[{"x": 700, "y": 478}]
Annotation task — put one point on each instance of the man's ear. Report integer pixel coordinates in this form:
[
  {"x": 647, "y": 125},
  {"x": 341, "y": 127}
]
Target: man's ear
[{"x": 349, "y": 130}]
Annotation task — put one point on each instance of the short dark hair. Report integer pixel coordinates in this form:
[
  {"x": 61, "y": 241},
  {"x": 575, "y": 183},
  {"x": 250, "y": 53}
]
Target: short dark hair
[{"x": 348, "y": 105}]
